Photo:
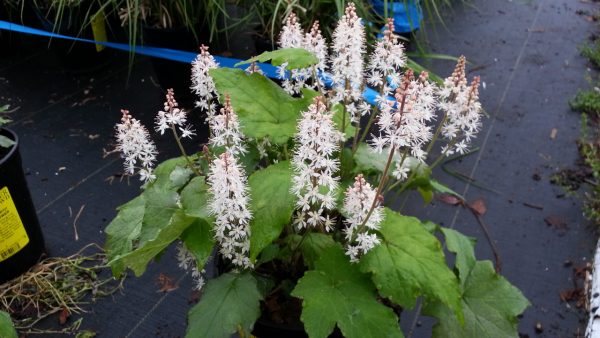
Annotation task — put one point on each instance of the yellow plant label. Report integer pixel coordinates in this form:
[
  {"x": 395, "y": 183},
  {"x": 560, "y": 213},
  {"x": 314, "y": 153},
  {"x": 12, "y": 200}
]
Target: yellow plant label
[
  {"x": 99, "y": 29},
  {"x": 13, "y": 236}
]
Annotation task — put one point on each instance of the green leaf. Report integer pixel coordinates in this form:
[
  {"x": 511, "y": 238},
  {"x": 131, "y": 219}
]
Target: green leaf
[
  {"x": 368, "y": 160},
  {"x": 138, "y": 259},
  {"x": 122, "y": 231},
  {"x": 464, "y": 248},
  {"x": 336, "y": 292},
  {"x": 338, "y": 116},
  {"x": 228, "y": 302},
  {"x": 295, "y": 57},
  {"x": 161, "y": 204},
  {"x": 164, "y": 172},
  {"x": 312, "y": 246},
  {"x": 5, "y": 142},
  {"x": 7, "y": 329},
  {"x": 180, "y": 176},
  {"x": 194, "y": 198},
  {"x": 410, "y": 262},
  {"x": 490, "y": 304},
  {"x": 264, "y": 109},
  {"x": 198, "y": 239},
  {"x": 272, "y": 204}
]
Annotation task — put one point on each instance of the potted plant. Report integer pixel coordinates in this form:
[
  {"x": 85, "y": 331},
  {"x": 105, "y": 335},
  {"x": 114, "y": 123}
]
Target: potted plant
[
  {"x": 291, "y": 192},
  {"x": 21, "y": 240}
]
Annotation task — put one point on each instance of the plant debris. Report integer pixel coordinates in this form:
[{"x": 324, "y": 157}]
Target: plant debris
[{"x": 57, "y": 285}]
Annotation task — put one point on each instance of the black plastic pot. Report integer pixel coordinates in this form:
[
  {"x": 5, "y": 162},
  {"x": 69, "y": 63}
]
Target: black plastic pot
[
  {"x": 21, "y": 239},
  {"x": 266, "y": 329}
]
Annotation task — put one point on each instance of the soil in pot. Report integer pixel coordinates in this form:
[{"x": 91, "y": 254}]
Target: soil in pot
[{"x": 21, "y": 239}]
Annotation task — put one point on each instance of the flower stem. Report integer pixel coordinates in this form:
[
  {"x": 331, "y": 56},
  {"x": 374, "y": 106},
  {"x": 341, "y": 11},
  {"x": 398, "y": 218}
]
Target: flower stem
[{"x": 187, "y": 158}]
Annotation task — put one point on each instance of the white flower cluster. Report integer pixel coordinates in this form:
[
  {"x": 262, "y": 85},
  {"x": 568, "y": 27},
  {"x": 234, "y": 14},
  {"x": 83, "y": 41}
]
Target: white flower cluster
[
  {"x": 386, "y": 61},
  {"x": 315, "y": 165},
  {"x": 225, "y": 130},
  {"x": 173, "y": 116},
  {"x": 347, "y": 61},
  {"x": 315, "y": 43},
  {"x": 363, "y": 212},
  {"x": 460, "y": 103},
  {"x": 202, "y": 82},
  {"x": 229, "y": 204},
  {"x": 403, "y": 123},
  {"x": 293, "y": 36},
  {"x": 136, "y": 147},
  {"x": 187, "y": 262}
]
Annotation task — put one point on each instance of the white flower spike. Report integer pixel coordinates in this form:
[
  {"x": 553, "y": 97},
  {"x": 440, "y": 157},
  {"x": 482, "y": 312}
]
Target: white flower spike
[
  {"x": 229, "y": 204},
  {"x": 136, "y": 147}
]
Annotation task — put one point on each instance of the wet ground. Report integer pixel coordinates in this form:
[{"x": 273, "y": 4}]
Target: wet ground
[{"x": 526, "y": 53}]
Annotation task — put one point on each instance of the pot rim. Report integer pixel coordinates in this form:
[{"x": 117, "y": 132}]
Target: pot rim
[{"x": 14, "y": 147}]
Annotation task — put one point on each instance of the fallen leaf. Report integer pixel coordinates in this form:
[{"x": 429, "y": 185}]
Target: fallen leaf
[
  {"x": 63, "y": 316},
  {"x": 556, "y": 221},
  {"x": 165, "y": 283},
  {"x": 553, "y": 133},
  {"x": 449, "y": 199},
  {"x": 478, "y": 206}
]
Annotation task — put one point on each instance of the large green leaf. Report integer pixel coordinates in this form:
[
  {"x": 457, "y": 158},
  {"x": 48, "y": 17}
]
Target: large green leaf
[
  {"x": 161, "y": 204},
  {"x": 171, "y": 174},
  {"x": 194, "y": 198},
  {"x": 295, "y": 57},
  {"x": 311, "y": 244},
  {"x": 410, "y": 262},
  {"x": 369, "y": 160},
  {"x": 229, "y": 302},
  {"x": 272, "y": 204},
  {"x": 490, "y": 304},
  {"x": 138, "y": 259},
  {"x": 336, "y": 292},
  {"x": 198, "y": 239},
  {"x": 122, "y": 231},
  {"x": 7, "y": 329},
  {"x": 464, "y": 248},
  {"x": 264, "y": 109}
]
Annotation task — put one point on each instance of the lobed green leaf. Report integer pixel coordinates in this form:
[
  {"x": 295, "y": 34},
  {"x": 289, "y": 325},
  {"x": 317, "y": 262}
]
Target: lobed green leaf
[
  {"x": 229, "y": 302},
  {"x": 295, "y": 58},
  {"x": 337, "y": 293},
  {"x": 410, "y": 262}
]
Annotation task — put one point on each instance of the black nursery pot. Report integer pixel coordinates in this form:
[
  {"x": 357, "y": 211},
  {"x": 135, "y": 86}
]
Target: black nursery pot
[{"x": 21, "y": 239}]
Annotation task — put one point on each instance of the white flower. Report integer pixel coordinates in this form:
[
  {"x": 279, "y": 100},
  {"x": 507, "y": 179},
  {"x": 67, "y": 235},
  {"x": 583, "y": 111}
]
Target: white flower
[
  {"x": 174, "y": 116},
  {"x": 404, "y": 123},
  {"x": 229, "y": 204},
  {"x": 292, "y": 35},
  {"x": 363, "y": 214},
  {"x": 202, "y": 83},
  {"x": 386, "y": 60},
  {"x": 460, "y": 104},
  {"x": 315, "y": 164},
  {"x": 316, "y": 44},
  {"x": 225, "y": 130},
  {"x": 187, "y": 262},
  {"x": 347, "y": 58},
  {"x": 136, "y": 147}
]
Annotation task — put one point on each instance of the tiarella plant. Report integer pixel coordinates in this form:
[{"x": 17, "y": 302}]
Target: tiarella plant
[{"x": 291, "y": 191}]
